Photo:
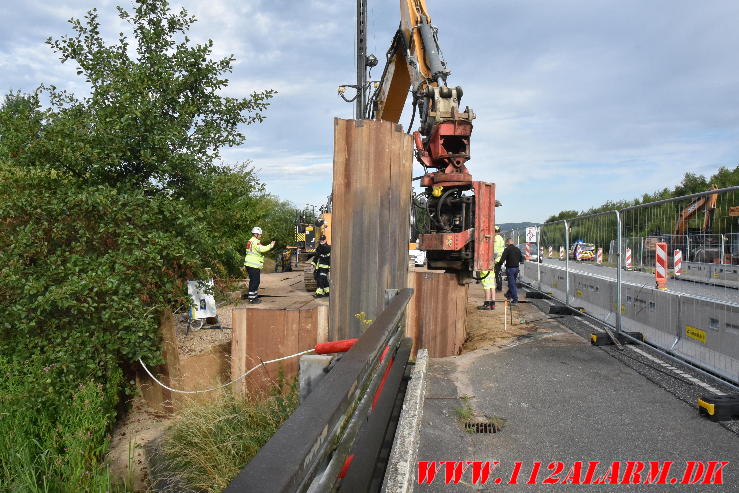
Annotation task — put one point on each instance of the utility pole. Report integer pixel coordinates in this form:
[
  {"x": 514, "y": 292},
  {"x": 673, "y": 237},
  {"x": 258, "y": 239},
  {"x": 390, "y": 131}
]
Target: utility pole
[{"x": 361, "y": 57}]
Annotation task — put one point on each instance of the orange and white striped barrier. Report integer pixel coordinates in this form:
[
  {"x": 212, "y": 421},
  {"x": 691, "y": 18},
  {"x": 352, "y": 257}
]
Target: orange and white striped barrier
[
  {"x": 678, "y": 262},
  {"x": 550, "y": 252},
  {"x": 599, "y": 256},
  {"x": 578, "y": 253},
  {"x": 528, "y": 251},
  {"x": 628, "y": 259},
  {"x": 660, "y": 262},
  {"x": 561, "y": 253}
]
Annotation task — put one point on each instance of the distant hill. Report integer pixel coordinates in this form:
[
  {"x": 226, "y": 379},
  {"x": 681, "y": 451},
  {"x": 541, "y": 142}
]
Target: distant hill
[{"x": 511, "y": 226}]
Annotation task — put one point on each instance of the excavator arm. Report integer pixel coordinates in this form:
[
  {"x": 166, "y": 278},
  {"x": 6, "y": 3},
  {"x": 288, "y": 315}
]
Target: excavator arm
[
  {"x": 407, "y": 64},
  {"x": 706, "y": 203},
  {"x": 461, "y": 211},
  {"x": 414, "y": 65}
]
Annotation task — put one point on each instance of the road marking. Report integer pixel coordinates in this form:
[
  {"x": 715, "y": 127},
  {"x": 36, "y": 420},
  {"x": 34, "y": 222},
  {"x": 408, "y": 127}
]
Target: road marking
[
  {"x": 679, "y": 372},
  {"x": 551, "y": 303},
  {"x": 587, "y": 322},
  {"x": 666, "y": 365}
]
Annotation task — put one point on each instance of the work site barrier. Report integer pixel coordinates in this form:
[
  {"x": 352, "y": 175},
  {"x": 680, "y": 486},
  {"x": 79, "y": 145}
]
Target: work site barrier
[
  {"x": 348, "y": 411},
  {"x": 696, "y": 318}
]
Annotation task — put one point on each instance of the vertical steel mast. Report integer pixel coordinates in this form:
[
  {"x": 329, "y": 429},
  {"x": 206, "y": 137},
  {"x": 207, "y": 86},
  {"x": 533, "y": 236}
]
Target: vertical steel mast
[{"x": 361, "y": 58}]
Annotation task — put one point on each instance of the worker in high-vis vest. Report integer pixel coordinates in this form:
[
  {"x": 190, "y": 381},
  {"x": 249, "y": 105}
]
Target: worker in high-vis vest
[
  {"x": 491, "y": 280},
  {"x": 322, "y": 265},
  {"x": 498, "y": 247},
  {"x": 254, "y": 261},
  {"x": 487, "y": 279}
]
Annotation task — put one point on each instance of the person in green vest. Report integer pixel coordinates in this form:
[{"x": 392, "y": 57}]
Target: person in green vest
[
  {"x": 498, "y": 247},
  {"x": 487, "y": 279},
  {"x": 491, "y": 280},
  {"x": 254, "y": 261}
]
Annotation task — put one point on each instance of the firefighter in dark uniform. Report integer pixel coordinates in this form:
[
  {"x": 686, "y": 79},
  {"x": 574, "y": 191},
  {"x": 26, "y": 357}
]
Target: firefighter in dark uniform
[{"x": 322, "y": 264}]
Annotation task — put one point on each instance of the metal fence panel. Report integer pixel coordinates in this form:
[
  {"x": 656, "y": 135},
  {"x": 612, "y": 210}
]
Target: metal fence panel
[{"x": 609, "y": 263}]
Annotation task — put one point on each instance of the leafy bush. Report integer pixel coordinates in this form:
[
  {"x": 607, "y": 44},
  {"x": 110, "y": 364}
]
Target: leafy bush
[
  {"x": 106, "y": 208},
  {"x": 88, "y": 271}
]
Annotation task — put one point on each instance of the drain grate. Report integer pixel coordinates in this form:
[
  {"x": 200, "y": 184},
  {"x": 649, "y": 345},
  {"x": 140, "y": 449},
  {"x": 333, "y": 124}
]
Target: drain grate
[{"x": 484, "y": 426}]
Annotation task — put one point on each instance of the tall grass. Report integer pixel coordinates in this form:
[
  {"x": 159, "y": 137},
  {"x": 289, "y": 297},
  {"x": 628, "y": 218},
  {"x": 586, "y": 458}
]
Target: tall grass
[
  {"x": 53, "y": 440},
  {"x": 211, "y": 442}
]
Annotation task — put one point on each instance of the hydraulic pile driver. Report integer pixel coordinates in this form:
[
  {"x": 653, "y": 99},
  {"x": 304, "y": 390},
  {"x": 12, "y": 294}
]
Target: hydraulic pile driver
[{"x": 459, "y": 233}]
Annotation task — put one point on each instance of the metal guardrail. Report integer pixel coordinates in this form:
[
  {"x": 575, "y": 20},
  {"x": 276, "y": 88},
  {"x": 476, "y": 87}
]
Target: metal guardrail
[{"x": 310, "y": 448}]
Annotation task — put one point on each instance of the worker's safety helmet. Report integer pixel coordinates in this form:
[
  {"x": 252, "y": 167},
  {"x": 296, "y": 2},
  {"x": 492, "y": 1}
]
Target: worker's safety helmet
[
  {"x": 256, "y": 230},
  {"x": 497, "y": 229}
]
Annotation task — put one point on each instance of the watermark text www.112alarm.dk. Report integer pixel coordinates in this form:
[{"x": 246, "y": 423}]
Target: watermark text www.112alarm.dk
[{"x": 578, "y": 472}]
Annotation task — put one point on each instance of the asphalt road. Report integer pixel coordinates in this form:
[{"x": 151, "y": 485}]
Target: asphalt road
[
  {"x": 565, "y": 400},
  {"x": 690, "y": 288}
]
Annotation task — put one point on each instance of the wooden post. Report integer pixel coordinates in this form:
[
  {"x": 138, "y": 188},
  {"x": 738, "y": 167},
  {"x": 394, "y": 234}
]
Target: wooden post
[{"x": 370, "y": 223}]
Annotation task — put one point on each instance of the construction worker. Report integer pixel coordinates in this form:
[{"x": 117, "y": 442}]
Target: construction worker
[
  {"x": 498, "y": 247},
  {"x": 491, "y": 281},
  {"x": 254, "y": 261},
  {"x": 487, "y": 278},
  {"x": 512, "y": 257},
  {"x": 322, "y": 265}
]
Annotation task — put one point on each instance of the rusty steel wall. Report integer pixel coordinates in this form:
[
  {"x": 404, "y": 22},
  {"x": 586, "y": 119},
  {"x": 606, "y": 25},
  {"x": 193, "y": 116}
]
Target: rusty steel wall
[
  {"x": 261, "y": 334},
  {"x": 437, "y": 313},
  {"x": 373, "y": 163}
]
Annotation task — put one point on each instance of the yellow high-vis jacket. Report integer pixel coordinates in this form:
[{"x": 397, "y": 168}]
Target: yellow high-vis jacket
[
  {"x": 254, "y": 251},
  {"x": 498, "y": 247}
]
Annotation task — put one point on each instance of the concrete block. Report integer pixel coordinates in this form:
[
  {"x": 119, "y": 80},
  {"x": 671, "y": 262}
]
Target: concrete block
[
  {"x": 400, "y": 474},
  {"x": 311, "y": 372}
]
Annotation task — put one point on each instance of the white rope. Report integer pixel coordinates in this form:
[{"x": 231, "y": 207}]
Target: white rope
[{"x": 225, "y": 384}]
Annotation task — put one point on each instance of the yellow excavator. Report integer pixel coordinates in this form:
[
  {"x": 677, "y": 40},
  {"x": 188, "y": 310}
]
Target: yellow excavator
[
  {"x": 460, "y": 231},
  {"x": 706, "y": 203}
]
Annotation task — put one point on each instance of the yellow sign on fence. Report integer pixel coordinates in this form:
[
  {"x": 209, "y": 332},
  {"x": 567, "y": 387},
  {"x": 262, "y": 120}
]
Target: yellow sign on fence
[{"x": 697, "y": 334}]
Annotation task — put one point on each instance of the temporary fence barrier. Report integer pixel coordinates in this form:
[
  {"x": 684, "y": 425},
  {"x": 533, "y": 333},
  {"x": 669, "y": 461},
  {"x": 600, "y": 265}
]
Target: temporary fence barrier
[{"x": 697, "y": 317}]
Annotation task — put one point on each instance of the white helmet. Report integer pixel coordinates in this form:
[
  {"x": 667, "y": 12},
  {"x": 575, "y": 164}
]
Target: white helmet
[{"x": 256, "y": 230}]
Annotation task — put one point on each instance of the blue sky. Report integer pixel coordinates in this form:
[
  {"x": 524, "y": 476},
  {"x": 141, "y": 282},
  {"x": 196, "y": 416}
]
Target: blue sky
[{"x": 577, "y": 102}]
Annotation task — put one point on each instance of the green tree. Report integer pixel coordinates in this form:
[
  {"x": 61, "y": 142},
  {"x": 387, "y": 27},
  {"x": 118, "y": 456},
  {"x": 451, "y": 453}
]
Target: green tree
[
  {"x": 155, "y": 117},
  {"x": 562, "y": 215},
  {"x": 104, "y": 204}
]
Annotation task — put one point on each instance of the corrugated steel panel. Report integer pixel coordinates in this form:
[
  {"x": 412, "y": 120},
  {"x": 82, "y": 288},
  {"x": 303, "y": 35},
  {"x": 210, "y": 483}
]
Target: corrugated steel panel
[
  {"x": 484, "y": 225},
  {"x": 370, "y": 224}
]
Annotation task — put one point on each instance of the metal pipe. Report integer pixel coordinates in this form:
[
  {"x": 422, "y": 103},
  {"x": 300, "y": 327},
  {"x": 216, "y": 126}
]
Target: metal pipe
[
  {"x": 567, "y": 263},
  {"x": 431, "y": 49},
  {"x": 538, "y": 255},
  {"x": 619, "y": 259},
  {"x": 361, "y": 57},
  {"x": 684, "y": 197}
]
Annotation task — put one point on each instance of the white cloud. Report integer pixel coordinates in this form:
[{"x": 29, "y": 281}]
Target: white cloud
[{"x": 577, "y": 102}]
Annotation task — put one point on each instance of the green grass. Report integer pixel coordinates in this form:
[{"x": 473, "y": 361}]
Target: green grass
[
  {"x": 211, "y": 442},
  {"x": 465, "y": 412},
  {"x": 53, "y": 441}
]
